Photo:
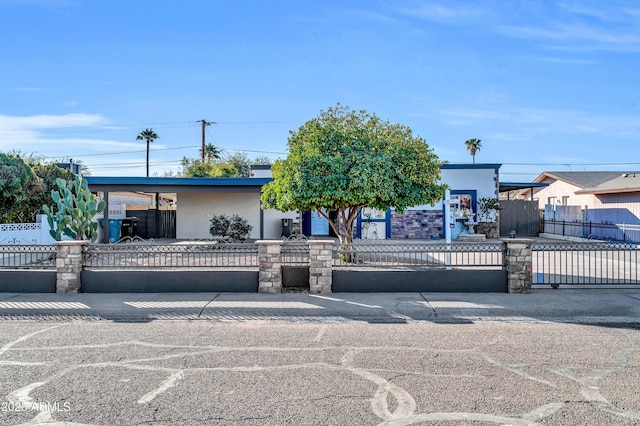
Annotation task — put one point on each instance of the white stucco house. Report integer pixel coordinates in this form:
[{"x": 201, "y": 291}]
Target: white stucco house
[{"x": 198, "y": 199}]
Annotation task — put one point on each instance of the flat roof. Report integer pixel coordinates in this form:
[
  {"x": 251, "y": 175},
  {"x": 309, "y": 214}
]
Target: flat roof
[
  {"x": 495, "y": 166},
  {"x": 175, "y": 184}
]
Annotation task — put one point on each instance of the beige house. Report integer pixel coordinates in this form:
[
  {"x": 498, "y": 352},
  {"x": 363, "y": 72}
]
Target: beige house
[
  {"x": 590, "y": 197},
  {"x": 568, "y": 188}
]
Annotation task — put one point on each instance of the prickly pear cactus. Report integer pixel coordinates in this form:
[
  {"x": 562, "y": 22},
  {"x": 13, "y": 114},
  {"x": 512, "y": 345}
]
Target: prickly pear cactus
[{"x": 74, "y": 210}]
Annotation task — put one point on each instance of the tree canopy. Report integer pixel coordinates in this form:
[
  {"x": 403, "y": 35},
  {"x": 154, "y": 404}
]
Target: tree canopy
[
  {"x": 25, "y": 187},
  {"x": 473, "y": 146},
  {"x": 344, "y": 160},
  {"x": 149, "y": 136}
]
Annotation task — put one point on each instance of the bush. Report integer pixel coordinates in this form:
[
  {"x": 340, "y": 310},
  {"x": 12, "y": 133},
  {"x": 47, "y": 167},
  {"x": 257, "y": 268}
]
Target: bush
[{"x": 234, "y": 228}]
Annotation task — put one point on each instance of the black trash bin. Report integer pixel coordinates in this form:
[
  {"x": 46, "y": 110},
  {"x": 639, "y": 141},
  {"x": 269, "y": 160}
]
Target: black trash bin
[
  {"x": 286, "y": 227},
  {"x": 129, "y": 226}
]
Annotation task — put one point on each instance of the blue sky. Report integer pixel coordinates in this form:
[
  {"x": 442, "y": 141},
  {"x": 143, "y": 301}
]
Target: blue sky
[{"x": 546, "y": 85}]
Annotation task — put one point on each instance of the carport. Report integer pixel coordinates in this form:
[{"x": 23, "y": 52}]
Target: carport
[{"x": 201, "y": 197}]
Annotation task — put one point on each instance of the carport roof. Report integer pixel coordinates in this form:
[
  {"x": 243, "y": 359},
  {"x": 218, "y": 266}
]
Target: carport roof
[
  {"x": 175, "y": 184},
  {"x": 516, "y": 186}
]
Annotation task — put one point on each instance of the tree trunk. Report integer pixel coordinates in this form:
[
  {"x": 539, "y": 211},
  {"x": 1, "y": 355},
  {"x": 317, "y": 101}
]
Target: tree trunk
[{"x": 147, "y": 157}]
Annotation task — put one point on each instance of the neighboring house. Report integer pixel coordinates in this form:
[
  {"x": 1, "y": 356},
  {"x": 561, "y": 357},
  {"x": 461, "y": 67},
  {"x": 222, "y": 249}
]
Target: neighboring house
[
  {"x": 591, "y": 204},
  {"x": 616, "y": 200},
  {"x": 563, "y": 188}
]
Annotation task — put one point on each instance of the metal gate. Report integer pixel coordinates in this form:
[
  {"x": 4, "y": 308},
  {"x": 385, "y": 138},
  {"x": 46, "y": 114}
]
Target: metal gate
[
  {"x": 521, "y": 216},
  {"x": 154, "y": 223}
]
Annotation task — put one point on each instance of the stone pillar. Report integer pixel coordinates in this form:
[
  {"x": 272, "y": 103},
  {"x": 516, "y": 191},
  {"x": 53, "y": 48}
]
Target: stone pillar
[
  {"x": 69, "y": 262},
  {"x": 517, "y": 258},
  {"x": 320, "y": 266},
  {"x": 270, "y": 260}
]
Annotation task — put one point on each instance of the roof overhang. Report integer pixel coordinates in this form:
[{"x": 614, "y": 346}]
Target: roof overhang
[
  {"x": 608, "y": 191},
  {"x": 174, "y": 184},
  {"x": 516, "y": 186}
]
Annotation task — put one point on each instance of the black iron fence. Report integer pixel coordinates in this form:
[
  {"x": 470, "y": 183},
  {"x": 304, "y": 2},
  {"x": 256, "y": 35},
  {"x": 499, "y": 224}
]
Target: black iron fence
[
  {"x": 28, "y": 256},
  {"x": 592, "y": 231},
  {"x": 585, "y": 263},
  {"x": 172, "y": 256},
  {"x": 420, "y": 256},
  {"x": 553, "y": 263},
  {"x": 295, "y": 254}
]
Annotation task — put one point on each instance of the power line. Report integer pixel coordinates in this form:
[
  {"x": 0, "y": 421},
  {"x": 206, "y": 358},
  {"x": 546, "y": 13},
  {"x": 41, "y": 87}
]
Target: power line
[{"x": 126, "y": 152}]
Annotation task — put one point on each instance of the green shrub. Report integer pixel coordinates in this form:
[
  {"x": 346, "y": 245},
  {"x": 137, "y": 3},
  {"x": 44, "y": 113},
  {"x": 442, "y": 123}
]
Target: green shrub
[{"x": 234, "y": 228}]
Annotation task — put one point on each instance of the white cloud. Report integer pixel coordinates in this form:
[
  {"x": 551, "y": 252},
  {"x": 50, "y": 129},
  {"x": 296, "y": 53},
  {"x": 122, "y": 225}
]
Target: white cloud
[
  {"x": 48, "y": 135},
  {"x": 43, "y": 121},
  {"x": 432, "y": 11},
  {"x": 527, "y": 122}
]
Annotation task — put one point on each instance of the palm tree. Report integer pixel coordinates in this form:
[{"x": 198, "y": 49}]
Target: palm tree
[
  {"x": 473, "y": 146},
  {"x": 211, "y": 152},
  {"x": 147, "y": 135}
]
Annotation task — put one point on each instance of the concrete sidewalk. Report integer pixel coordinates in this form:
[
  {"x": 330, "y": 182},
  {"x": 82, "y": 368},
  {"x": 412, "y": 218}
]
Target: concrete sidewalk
[{"x": 589, "y": 306}]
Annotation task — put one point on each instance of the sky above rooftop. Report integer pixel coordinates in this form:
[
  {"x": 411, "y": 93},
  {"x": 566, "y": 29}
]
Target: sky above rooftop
[{"x": 546, "y": 85}]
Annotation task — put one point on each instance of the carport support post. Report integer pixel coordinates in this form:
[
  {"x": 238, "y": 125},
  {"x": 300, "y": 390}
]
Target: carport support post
[
  {"x": 320, "y": 266},
  {"x": 69, "y": 265},
  {"x": 517, "y": 259},
  {"x": 270, "y": 260}
]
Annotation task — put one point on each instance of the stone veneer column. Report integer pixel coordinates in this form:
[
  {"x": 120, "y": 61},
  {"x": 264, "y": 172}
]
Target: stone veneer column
[
  {"x": 320, "y": 266},
  {"x": 69, "y": 266},
  {"x": 517, "y": 259},
  {"x": 270, "y": 260}
]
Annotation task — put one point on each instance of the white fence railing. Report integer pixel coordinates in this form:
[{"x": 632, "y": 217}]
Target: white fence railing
[{"x": 26, "y": 233}]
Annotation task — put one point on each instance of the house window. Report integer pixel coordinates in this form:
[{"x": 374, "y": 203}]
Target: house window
[
  {"x": 565, "y": 200},
  {"x": 464, "y": 208},
  {"x": 552, "y": 200}
]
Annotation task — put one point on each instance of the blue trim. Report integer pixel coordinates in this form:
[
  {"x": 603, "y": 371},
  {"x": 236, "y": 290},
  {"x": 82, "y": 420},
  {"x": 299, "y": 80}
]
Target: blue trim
[
  {"x": 388, "y": 223},
  {"x": 474, "y": 197},
  {"x": 136, "y": 180},
  {"x": 306, "y": 223},
  {"x": 386, "y": 220},
  {"x": 494, "y": 166}
]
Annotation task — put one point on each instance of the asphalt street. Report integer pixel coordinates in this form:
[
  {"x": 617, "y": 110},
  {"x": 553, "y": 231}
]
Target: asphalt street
[
  {"x": 261, "y": 372},
  {"x": 564, "y": 357}
]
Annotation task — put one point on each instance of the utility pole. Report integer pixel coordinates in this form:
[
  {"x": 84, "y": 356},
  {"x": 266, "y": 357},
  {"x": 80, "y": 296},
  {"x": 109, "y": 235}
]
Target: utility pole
[{"x": 205, "y": 123}]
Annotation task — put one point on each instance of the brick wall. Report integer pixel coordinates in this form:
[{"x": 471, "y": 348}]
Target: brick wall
[{"x": 424, "y": 224}]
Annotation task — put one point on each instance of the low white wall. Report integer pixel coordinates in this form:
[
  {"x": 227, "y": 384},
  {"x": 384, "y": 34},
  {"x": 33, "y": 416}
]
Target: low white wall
[{"x": 26, "y": 233}]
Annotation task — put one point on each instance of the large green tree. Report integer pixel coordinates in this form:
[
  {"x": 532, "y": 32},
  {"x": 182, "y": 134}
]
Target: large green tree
[
  {"x": 41, "y": 193},
  {"x": 344, "y": 160},
  {"x": 25, "y": 186},
  {"x": 149, "y": 136},
  {"x": 17, "y": 181}
]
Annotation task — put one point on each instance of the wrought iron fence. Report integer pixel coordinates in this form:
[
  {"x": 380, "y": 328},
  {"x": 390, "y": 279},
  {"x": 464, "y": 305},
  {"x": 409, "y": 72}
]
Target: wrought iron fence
[
  {"x": 295, "y": 254},
  {"x": 593, "y": 231},
  {"x": 420, "y": 256},
  {"x": 585, "y": 263},
  {"x": 27, "y": 256},
  {"x": 173, "y": 256}
]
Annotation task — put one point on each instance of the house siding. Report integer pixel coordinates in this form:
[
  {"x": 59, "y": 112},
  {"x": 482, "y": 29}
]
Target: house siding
[
  {"x": 559, "y": 189},
  {"x": 196, "y": 209}
]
